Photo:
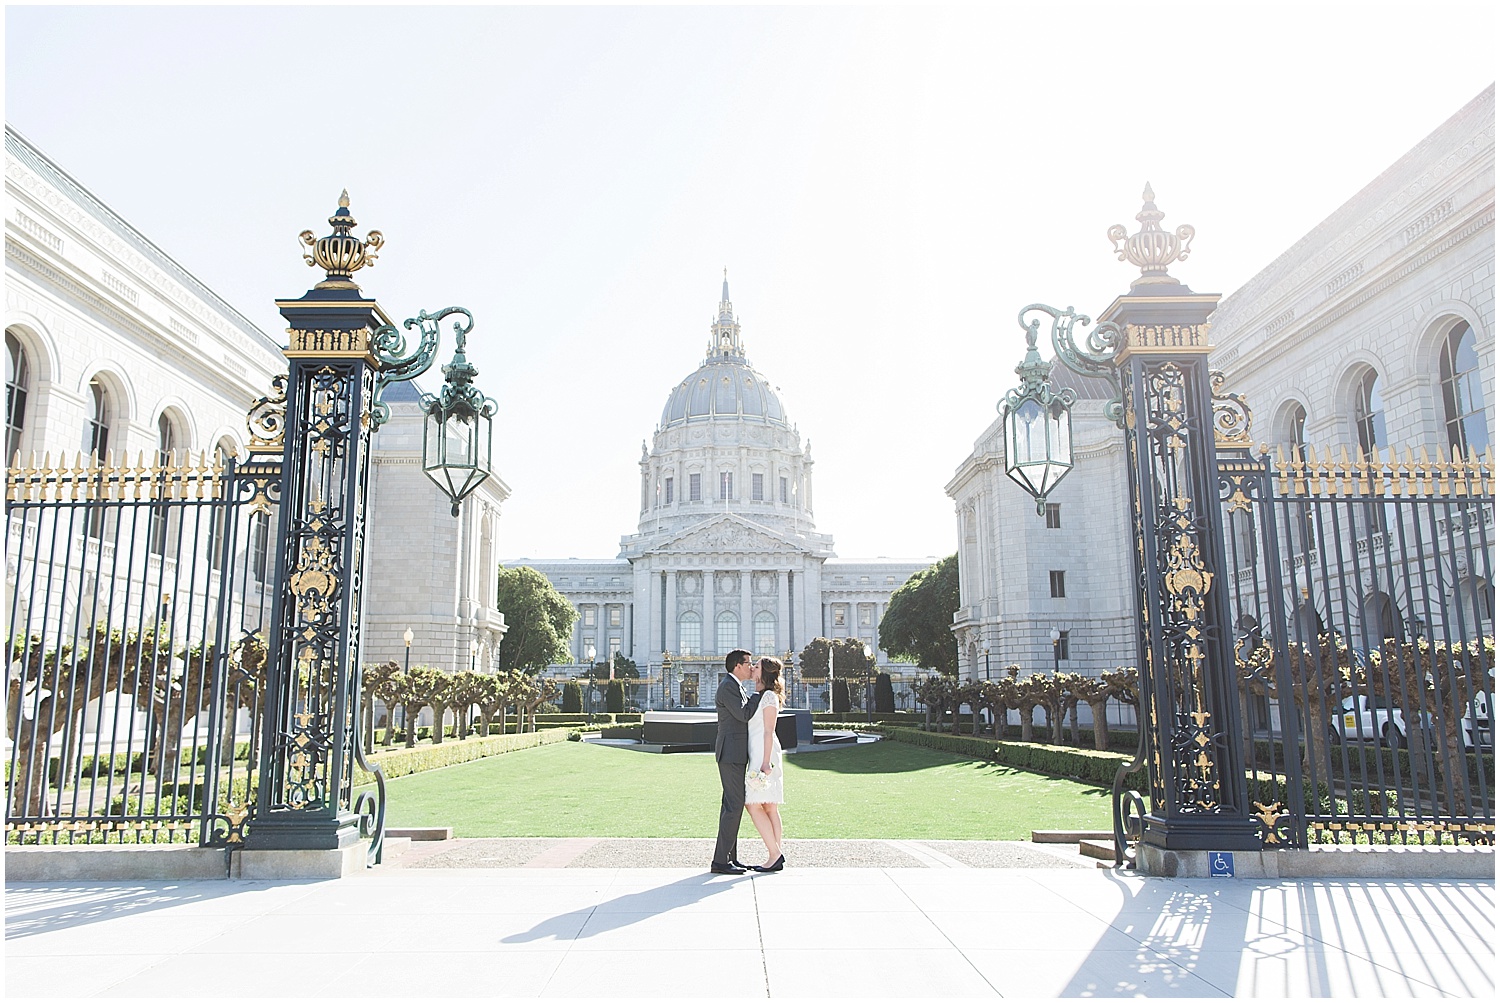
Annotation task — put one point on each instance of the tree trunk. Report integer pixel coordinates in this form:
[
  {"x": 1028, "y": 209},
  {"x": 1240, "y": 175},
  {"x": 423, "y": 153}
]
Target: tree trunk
[
  {"x": 1101, "y": 724},
  {"x": 1026, "y": 713},
  {"x": 390, "y": 725},
  {"x": 501, "y": 715},
  {"x": 974, "y": 724},
  {"x": 439, "y": 711},
  {"x": 409, "y": 725},
  {"x": 485, "y": 713},
  {"x": 1073, "y": 722}
]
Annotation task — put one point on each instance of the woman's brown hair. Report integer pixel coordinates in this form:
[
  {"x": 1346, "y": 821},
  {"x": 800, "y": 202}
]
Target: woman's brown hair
[{"x": 770, "y": 674}]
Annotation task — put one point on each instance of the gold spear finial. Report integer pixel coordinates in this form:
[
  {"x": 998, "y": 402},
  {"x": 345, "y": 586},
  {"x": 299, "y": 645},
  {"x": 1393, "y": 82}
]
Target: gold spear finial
[{"x": 344, "y": 199}]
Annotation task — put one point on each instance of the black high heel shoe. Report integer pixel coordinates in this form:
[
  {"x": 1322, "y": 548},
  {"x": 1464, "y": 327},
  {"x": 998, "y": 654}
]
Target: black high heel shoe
[{"x": 773, "y": 868}]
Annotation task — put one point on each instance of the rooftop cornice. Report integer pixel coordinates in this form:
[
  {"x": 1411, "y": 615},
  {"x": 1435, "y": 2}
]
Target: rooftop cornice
[{"x": 45, "y": 169}]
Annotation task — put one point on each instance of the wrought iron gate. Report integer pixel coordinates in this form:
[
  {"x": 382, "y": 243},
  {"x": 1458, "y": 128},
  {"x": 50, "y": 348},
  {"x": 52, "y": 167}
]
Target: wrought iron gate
[
  {"x": 1363, "y": 595},
  {"x": 140, "y": 601}
]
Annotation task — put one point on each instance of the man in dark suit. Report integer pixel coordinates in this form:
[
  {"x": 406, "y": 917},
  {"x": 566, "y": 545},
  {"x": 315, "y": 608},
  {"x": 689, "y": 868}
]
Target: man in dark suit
[{"x": 732, "y": 751}]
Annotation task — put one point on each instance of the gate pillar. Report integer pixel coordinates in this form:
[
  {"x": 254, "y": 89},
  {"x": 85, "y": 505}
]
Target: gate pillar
[
  {"x": 309, "y": 730},
  {"x": 1185, "y": 630}
]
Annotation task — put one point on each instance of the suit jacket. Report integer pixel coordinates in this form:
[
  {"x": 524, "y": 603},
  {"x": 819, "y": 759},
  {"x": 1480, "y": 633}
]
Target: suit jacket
[{"x": 732, "y": 743}]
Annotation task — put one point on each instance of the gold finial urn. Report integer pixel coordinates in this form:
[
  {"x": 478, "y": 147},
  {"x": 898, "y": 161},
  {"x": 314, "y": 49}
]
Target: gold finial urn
[
  {"x": 341, "y": 254},
  {"x": 1151, "y": 248}
]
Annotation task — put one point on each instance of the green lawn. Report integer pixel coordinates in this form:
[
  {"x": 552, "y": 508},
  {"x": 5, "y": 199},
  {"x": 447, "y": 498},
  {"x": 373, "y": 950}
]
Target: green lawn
[{"x": 881, "y": 791}]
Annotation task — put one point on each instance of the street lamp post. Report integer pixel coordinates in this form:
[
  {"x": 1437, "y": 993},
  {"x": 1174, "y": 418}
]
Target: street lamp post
[
  {"x": 1151, "y": 345},
  {"x": 666, "y": 680},
  {"x": 589, "y": 654},
  {"x": 869, "y": 682},
  {"x": 473, "y": 653},
  {"x": 408, "y": 637},
  {"x": 791, "y": 680},
  {"x": 1056, "y": 640}
]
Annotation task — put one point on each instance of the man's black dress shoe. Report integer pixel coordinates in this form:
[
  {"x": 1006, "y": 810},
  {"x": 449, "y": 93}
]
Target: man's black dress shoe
[{"x": 725, "y": 869}]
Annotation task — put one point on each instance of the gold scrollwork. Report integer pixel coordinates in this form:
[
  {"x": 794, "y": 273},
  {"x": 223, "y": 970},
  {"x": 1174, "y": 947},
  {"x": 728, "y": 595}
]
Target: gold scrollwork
[
  {"x": 1232, "y": 416},
  {"x": 1186, "y": 573},
  {"x": 266, "y": 418}
]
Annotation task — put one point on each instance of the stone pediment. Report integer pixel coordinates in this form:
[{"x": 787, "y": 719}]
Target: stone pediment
[{"x": 728, "y": 535}]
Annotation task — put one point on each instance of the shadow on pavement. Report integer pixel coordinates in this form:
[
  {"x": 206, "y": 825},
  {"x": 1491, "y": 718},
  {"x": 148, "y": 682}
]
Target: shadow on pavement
[
  {"x": 624, "y": 910},
  {"x": 48, "y": 906}
]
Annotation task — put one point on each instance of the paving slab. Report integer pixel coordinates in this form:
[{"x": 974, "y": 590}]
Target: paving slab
[{"x": 917, "y": 930}]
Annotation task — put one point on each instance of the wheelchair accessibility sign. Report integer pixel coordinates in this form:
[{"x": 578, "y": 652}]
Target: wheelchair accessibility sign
[{"x": 1220, "y": 864}]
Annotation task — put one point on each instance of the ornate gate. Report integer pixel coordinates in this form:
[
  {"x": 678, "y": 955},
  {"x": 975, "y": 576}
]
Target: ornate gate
[
  {"x": 1363, "y": 595},
  {"x": 136, "y": 646}
]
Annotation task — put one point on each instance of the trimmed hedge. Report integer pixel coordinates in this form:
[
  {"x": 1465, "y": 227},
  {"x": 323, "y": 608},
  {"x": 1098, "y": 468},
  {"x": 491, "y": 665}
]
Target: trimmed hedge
[
  {"x": 404, "y": 762},
  {"x": 1064, "y": 761}
]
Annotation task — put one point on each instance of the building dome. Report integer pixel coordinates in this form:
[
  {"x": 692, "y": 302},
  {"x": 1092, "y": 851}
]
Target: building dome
[{"x": 725, "y": 385}]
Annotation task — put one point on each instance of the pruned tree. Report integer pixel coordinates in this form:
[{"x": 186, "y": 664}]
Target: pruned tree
[
  {"x": 936, "y": 693},
  {"x": 996, "y": 699},
  {"x": 1028, "y": 698},
  {"x": 1094, "y": 692},
  {"x": 918, "y": 622},
  {"x": 379, "y": 683},
  {"x": 969, "y": 693},
  {"x": 464, "y": 691},
  {"x": 423, "y": 686},
  {"x": 490, "y": 696}
]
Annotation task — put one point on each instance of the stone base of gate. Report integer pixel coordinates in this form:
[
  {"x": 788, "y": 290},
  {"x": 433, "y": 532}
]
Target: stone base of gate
[
  {"x": 177, "y": 863},
  {"x": 1321, "y": 862}
]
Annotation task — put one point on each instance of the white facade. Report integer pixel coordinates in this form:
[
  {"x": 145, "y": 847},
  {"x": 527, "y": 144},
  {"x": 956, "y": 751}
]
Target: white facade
[
  {"x": 113, "y": 345},
  {"x": 1340, "y": 342},
  {"x": 726, "y": 554}
]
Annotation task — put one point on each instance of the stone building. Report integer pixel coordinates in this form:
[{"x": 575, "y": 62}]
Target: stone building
[
  {"x": 1375, "y": 330},
  {"x": 112, "y": 346},
  {"x": 726, "y": 553}
]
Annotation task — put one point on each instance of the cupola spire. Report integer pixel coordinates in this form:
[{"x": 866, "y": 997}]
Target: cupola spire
[{"x": 724, "y": 333}]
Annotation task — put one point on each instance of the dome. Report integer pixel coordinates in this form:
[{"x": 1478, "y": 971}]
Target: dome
[{"x": 724, "y": 386}]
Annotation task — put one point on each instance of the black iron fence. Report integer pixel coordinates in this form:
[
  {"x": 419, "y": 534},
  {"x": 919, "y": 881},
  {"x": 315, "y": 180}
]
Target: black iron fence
[
  {"x": 1363, "y": 592},
  {"x": 138, "y": 609}
]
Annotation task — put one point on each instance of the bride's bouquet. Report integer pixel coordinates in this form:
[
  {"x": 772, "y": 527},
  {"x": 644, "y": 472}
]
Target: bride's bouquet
[{"x": 756, "y": 780}]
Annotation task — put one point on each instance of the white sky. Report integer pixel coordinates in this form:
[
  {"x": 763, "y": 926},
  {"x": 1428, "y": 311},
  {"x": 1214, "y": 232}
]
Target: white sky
[{"x": 886, "y": 187}]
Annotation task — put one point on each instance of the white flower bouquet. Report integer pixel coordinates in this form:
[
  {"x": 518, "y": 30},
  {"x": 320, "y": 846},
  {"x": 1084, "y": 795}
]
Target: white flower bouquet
[{"x": 755, "y": 780}]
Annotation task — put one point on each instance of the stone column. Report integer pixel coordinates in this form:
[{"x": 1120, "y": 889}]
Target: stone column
[
  {"x": 670, "y": 641},
  {"x": 747, "y": 611},
  {"x": 783, "y": 614}
]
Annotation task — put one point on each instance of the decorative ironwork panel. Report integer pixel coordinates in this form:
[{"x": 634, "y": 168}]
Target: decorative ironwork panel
[
  {"x": 1197, "y": 792},
  {"x": 136, "y": 646},
  {"x": 1363, "y": 589}
]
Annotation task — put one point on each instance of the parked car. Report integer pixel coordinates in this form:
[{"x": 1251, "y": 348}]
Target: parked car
[{"x": 1376, "y": 718}]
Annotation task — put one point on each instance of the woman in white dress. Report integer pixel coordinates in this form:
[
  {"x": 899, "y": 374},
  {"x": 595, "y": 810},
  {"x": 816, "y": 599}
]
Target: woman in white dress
[{"x": 763, "y": 794}]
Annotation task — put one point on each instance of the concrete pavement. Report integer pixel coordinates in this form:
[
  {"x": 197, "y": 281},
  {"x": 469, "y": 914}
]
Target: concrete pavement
[{"x": 931, "y": 930}]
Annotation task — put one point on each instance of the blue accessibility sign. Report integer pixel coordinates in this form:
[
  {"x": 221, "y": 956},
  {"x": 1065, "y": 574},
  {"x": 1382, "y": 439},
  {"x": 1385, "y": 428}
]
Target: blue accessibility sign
[{"x": 1220, "y": 864}]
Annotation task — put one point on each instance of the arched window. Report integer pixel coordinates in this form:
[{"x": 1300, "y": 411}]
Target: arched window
[
  {"x": 1369, "y": 413},
  {"x": 17, "y": 389},
  {"x": 765, "y": 633},
  {"x": 1463, "y": 393},
  {"x": 96, "y": 432},
  {"x": 225, "y": 452},
  {"x": 166, "y": 443},
  {"x": 96, "y": 441},
  {"x": 689, "y": 634},
  {"x": 1296, "y": 434},
  {"x": 728, "y": 632}
]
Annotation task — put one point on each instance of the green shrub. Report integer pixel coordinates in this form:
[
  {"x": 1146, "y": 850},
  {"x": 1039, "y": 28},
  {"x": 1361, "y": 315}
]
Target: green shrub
[
  {"x": 614, "y": 697},
  {"x": 404, "y": 762},
  {"x": 572, "y": 697},
  {"x": 840, "y": 696},
  {"x": 1087, "y": 765},
  {"x": 634, "y": 731},
  {"x": 885, "y": 694}
]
